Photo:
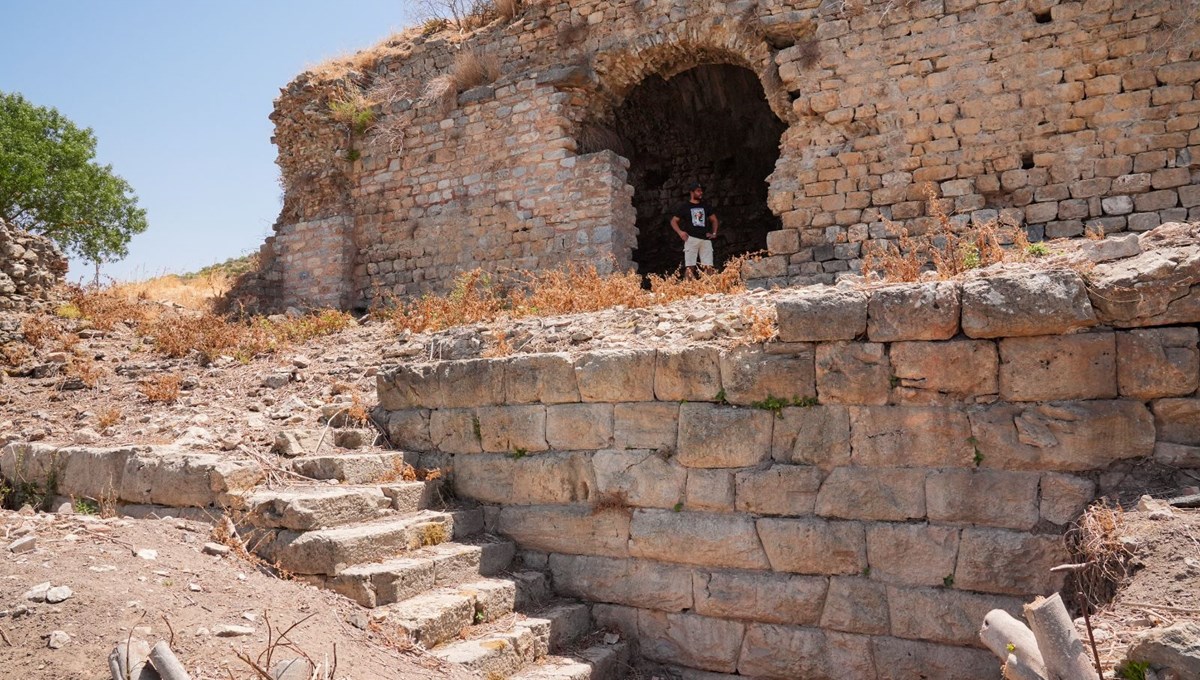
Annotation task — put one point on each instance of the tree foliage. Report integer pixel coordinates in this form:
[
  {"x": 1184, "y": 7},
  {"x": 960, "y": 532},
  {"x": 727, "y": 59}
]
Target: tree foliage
[{"x": 51, "y": 184}]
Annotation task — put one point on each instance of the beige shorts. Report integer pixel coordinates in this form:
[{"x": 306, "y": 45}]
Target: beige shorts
[{"x": 694, "y": 248}]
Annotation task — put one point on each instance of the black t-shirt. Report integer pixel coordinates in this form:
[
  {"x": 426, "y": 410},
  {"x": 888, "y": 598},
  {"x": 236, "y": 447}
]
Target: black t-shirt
[{"x": 693, "y": 218}]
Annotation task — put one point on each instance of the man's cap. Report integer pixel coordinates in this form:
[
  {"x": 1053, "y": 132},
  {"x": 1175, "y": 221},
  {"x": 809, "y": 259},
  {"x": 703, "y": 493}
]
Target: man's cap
[{"x": 695, "y": 185}]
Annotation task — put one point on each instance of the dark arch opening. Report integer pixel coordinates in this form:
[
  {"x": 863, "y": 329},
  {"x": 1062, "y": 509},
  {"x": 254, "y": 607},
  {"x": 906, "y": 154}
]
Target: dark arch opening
[{"x": 710, "y": 124}]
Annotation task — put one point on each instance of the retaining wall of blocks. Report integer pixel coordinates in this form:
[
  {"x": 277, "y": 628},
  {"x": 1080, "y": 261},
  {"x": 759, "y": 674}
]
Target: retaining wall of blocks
[{"x": 913, "y": 460}]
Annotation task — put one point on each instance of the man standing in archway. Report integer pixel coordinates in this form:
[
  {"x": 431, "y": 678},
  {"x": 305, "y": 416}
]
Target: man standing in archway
[{"x": 691, "y": 222}]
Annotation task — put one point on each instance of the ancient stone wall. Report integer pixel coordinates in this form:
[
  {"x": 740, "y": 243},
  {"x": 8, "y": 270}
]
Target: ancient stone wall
[
  {"x": 30, "y": 267},
  {"x": 1052, "y": 115},
  {"x": 914, "y": 457}
]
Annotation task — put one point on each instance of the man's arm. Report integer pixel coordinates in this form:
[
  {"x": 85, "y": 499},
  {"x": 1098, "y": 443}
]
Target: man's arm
[
  {"x": 715, "y": 225},
  {"x": 675, "y": 225}
]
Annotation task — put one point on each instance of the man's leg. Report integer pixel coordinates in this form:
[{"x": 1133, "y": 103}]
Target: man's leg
[
  {"x": 705, "y": 255},
  {"x": 691, "y": 248}
]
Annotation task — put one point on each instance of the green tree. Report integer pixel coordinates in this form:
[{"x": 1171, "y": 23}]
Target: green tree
[{"x": 51, "y": 184}]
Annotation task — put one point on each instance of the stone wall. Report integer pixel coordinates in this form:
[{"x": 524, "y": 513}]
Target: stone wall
[
  {"x": 927, "y": 447},
  {"x": 30, "y": 267},
  {"x": 1048, "y": 114}
]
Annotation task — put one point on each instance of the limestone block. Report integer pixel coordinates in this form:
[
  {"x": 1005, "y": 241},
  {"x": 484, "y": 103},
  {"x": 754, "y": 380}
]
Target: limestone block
[
  {"x": 540, "y": 378},
  {"x": 992, "y": 498},
  {"x": 1009, "y": 562},
  {"x": 913, "y": 554},
  {"x": 815, "y": 435},
  {"x": 823, "y": 315},
  {"x": 638, "y": 583},
  {"x": 618, "y": 618},
  {"x": 1177, "y": 455},
  {"x": 616, "y": 375},
  {"x": 1064, "y": 497},
  {"x": 814, "y": 546},
  {"x": 690, "y": 640},
  {"x": 443, "y": 384},
  {"x": 748, "y": 374},
  {"x": 642, "y": 478},
  {"x": 856, "y": 605},
  {"x": 687, "y": 373},
  {"x": 712, "y": 436},
  {"x": 914, "y": 311},
  {"x": 853, "y": 373},
  {"x": 1059, "y": 367},
  {"x": 1161, "y": 286},
  {"x": 507, "y": 429},
  {"x": 1158, "y": 362},
  {"x": 783, "y": 241},
  {"x": 82, "y": 473},
  {"x": 573, "y": 427},
  {"x": 531, "y": 480},
  {"x": 896, "y": 494},
  {"x": 645, "y": 425},
  {"x": 710, "y": 540},
  {"x": 409, "y": 429},
  {"x": 710, "y": 490},
  {"x": 898, "y": 659},
  {"x": 1062, "y": 436},
  {"x": 904, "y": 436},
  {"x": 849, "y": 656},
  {"x": 944, "y": 615},
  {"x": 572, "y": 530},
  {"x": 455, "y": 430},
  {"x": 167, "y": 476},
  {"x": 949, "y": 372},
  {"x": 1178, "y": 421},
  {"x": 1025, "y": 303},
  {"x": 786, "y": 652},
  {"x": 779, "y": 490},
  {"x": 759, "y": 596},
  {"x": 408, "y": 386},
  {"x": 35, "y": 463}
]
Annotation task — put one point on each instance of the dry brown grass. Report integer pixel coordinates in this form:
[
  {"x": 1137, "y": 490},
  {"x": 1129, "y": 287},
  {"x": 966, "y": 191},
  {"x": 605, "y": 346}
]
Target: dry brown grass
[
  {"x": 87, "y": 370},
  {"x": 108, "y": 416},
  {"x": 189, "y": 292},
  {"x": 38, "y": 330},
  {"x": 211, "y": 335},
  {"x": 1095, "y": 540},
  {"x": 163, "y": 388},
  {"x": 762, "y": 324},
  {"x": 500, "y": 346},
  {"x": 15, "y": 353},
  {"x": 482, "y": 297},
  {"x": 472, "y": 68}
]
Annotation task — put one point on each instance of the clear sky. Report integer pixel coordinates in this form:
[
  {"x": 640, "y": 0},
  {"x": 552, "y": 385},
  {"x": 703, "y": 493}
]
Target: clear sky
[{"x": 178, "y": 94}]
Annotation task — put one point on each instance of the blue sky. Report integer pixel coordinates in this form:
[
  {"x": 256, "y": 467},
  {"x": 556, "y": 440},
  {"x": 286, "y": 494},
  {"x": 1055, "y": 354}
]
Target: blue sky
[{"x": 178, "y": 94}]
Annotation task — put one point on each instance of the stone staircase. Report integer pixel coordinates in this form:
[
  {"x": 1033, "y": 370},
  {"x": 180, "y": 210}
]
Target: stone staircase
[{"x": 431, "y": 575}]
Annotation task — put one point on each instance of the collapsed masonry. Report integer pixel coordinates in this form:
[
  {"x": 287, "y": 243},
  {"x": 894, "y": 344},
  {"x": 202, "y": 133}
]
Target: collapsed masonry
[
  {"x": 30, "y": 267},
  {"x": 815, "y": 125}
]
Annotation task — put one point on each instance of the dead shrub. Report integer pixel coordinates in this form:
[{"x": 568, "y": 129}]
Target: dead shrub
[
  {"x": 39, "y": 329},
  {"x": 472, "y": 68},
  {"x": 762, "y": 324},
  {"x": 107, "y": 307},
  {"x": 108, "y": 416},
  {"x": 87, "y": 370},
  {"x": 163, "y": 388},
  {"x": 1095, "y": 540},
  {"x": 501, "y": 347},
  {"x": 474, "y": 298},
  {"x": 15, "y": 353}
]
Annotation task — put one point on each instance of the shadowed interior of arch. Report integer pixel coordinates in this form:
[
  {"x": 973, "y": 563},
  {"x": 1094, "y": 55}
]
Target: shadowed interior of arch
[{"x": 711, "y": 124}]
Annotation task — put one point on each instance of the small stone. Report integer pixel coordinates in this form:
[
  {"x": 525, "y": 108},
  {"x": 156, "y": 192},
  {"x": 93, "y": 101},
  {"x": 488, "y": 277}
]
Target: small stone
[
  {"x": 38, "y": 592},
  {"x": 58, "y": 594},
  {"x": 195, "y": 587},
  {"x": 102, "y": 568},
  {"x": 23, "y": 545},
  {"x": 59, "y": 639},
  {"x": 146, "y": 554},
  {"x": 301, "y": 361},
  {"x": 611, "y": 638},
  {"x": 225, "y": 630},
  {"x": 215, "y": 549}
]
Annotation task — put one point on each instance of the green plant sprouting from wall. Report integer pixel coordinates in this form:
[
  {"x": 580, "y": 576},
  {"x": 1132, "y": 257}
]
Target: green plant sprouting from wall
[{"x": 357, "y": 112}]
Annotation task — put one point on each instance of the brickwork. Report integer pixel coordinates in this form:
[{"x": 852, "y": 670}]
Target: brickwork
[
  {"x": 864, "y": 528},
  {"x": 1056, "y": 116}
]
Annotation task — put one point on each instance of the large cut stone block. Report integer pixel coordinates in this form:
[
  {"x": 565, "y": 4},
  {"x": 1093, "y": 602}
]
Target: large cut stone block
[
  {"x": 532, "y": 480},
  {"x": 82, "y": 473},
  {"x": 901, "y": 436},
  {"x": 944, "y": 615},
  {"x": 1062, "y": 436},
  {"x": 914, "y": 554},
  {"x": 1159, "y": 287},
  {"x": 1158, "y": 362},
  {"x": 1064, "y": 497},
  {"x": 575, "y": 427},
  {"x": 1009, "y": 562},
  {"x": 616, "y": 375},
  {"x": 914, "y": 311},
  {"x": 455, "y": 430},
  {"x": 823, "y": 315},
  {"x": 408, "y": 386},
  {"x": 992, "y": 498},
  {"x": 779, "y": 490},
  {"x": 896, "y": 494},
  {"x": 690, "y": 640},
  {"x": 39, "y": 463},
  {"x": 814, "y": 546},
  {"x": 950, "y": 372},
  {"x": 771, "y": 651},
  {"x": 167, "y": 476},
  {"x": 645, "y": 425},
  {"x": 712, "y": 436},
  {"x": 815, "y": 435},
  {"x": 572, "y": 530},
  {"x": 748, "y": 374},
  {"x": 540, "y": 378},
  {"x": 898, "y": 659},
  {"x": 687, "y": 373},
  {"x": 853, "y": 373},
  {"x": 642, "y": 478},
  {"x": 710, "y": 540},
  {"x": 1025, "y": 303},
  {"x": 409, "y": 429},
  {"x": 856, "y": 605},
  {"x": 759, "y": 596},
  {"x": 1178, "y": 421},
  {"x": 637, "y": 583},
  {"x": 1059, "y": 367},
  {"x": 443, "y": 384},
  {"x": 710, "y": 490},
  {"x": 505, "y": 429}
]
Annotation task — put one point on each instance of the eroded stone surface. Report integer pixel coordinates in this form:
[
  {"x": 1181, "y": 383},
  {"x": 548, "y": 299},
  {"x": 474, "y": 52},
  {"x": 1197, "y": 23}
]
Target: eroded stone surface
[{"x": 1025, "y": 303}]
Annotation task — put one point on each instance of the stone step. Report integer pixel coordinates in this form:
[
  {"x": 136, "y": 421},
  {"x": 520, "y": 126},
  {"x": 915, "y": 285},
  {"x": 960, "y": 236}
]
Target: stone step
[
  {"x": 569, "y": 621},
  {"x": 304, "y": 508},
  {"x": 353, "y": 468},
  {"x": 500, "y": 654},
  {"x": 331, "y": 551},
  {"x": 598, "y": 662},
  {"x": 447, "y": 564},
  {"x": 443, "y": 614}
]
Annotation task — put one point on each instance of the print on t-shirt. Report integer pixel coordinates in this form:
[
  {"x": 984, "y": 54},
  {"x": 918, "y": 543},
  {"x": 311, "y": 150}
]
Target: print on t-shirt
[{"x": 697, "y": 217}]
